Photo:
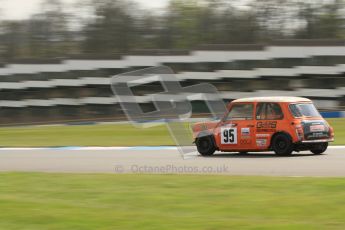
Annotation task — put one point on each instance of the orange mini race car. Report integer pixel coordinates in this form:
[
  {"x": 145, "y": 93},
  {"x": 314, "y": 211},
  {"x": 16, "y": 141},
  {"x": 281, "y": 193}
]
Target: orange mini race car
[{"x": 281, "y": 124}]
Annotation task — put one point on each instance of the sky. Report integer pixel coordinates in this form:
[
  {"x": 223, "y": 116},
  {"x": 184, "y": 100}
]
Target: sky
[{"x": 22, "y": 9}]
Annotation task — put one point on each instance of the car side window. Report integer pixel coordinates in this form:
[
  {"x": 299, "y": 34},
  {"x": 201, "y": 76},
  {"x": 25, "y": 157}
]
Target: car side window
[
  {"x": 241, "y": 112},
  {"x": 268, "y": 111}
]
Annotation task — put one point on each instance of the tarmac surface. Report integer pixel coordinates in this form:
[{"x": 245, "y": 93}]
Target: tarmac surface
[{"x": 168, "y": 160}]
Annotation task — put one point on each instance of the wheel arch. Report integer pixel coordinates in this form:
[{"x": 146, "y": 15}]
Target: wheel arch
[
  {"x": 277, "y": 133},
  {"x": 206, "y": 134}
]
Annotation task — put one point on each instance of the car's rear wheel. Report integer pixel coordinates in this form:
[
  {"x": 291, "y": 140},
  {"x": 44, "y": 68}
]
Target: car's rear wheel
[
  {"x": 319, "y": 148},
  {"x": 205, "y": 146},
  {"x": 282, "y": 144}
]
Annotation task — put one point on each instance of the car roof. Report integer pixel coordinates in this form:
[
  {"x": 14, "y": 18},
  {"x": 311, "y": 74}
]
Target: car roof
[{"x": 273, "y": 99}]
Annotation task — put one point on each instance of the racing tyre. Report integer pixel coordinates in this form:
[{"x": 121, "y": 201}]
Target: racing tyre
[
  {"x": 319, "y": 148},
  {"x": 205, "y": 146},
  {"x": 282, "y": 145}
]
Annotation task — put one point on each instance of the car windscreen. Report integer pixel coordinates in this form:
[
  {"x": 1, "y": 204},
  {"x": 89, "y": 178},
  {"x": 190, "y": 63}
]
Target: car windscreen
[{"x": 304, "y": 110}]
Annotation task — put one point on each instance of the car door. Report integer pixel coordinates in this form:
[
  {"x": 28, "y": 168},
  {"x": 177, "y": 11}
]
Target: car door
[
  {"x": 237, "y": 130},
  {"x": 269, "y": 117}
]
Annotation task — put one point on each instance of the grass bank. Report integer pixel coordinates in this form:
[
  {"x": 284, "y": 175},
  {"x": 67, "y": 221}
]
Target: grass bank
[{"x": 75, "y": 201}]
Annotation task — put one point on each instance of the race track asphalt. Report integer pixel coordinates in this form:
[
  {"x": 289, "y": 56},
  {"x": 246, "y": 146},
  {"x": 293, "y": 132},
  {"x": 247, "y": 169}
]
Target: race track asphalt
[{"x": 168, "y": 160}]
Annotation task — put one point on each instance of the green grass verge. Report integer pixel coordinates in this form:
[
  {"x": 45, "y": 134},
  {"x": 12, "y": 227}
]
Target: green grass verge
[
  {"x": 104, "y": 135},
  {"x": 75, "y": 201},
  {"x": 85, "y": 135}
]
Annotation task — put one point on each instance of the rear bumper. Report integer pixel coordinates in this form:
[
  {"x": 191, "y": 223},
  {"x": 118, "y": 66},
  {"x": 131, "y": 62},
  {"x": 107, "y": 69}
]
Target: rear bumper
[{"x": 317, "y": 141}]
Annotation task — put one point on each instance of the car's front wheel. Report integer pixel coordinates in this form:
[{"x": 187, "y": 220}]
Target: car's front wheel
[
  {"x": 205, "y": 146},
  {"x": 319, "y": 148},
  {"x": 282, "y": 144}
]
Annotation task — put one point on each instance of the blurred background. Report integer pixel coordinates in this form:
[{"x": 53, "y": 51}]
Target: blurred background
[{"x": 57, "y": 56}]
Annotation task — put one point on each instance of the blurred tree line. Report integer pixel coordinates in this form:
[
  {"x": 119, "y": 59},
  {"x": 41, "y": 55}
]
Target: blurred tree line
[{"x": 106, "y": 27}]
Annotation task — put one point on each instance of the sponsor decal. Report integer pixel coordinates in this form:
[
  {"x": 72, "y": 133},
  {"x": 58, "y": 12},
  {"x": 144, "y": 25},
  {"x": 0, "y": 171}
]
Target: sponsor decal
[
  {"x": 245, "y": 131},
  {"x": 262, "y": 135},
  {"x": 317, "y": 135},
  {"x": 315, "y": 123},
  {"x": 266, "y": 126},
  {"x": 261, "y": 142},
  {"x": 317, "y": 128},
  {"x": 245, "y": 142}
]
